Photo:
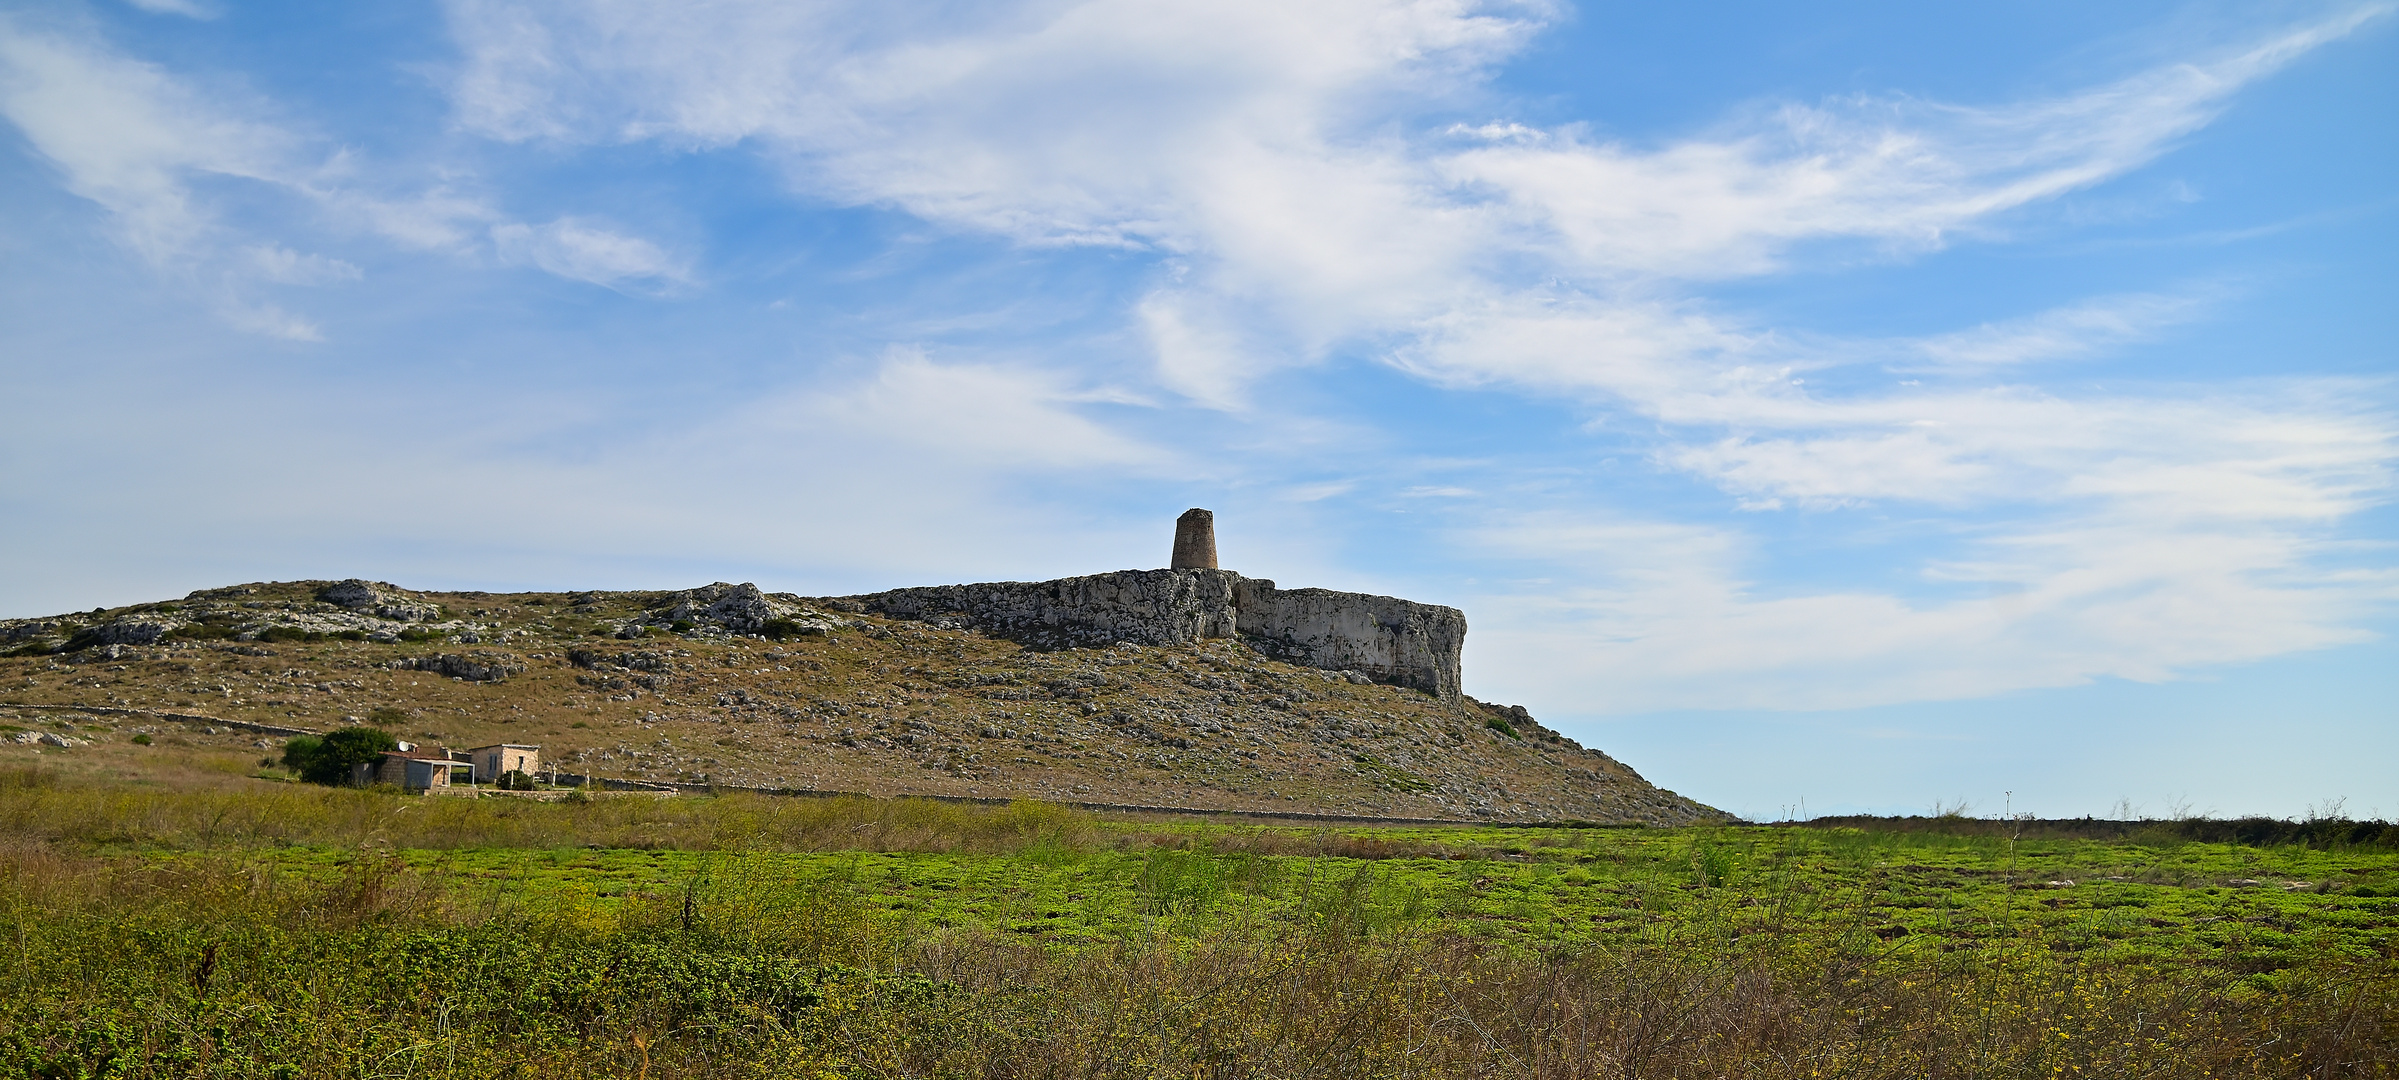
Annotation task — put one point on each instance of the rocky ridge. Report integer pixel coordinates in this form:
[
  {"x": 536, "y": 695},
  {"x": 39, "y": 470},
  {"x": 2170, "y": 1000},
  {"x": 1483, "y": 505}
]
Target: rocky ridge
[
  {"x": 728, "y": 684},
  {"x": 1385, "y": 638}
]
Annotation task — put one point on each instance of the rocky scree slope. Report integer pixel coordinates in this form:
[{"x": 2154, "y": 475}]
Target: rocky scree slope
[{"x": 733, "y": 686}]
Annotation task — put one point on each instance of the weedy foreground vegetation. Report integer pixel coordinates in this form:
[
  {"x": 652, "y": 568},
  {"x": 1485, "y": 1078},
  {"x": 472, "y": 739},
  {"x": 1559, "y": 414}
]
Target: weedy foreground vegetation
[{"x": 284, "y": 931}]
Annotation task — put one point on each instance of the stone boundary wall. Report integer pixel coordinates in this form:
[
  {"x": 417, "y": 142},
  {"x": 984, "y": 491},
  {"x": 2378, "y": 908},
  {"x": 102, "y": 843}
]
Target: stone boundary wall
[
  {"x": 194, "y": 718},
  {"x": 1392, "y": 640}
]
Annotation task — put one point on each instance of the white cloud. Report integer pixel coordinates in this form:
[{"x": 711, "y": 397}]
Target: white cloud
[
  {"x": 269, "y": 321},
  {"x": 2300, "y": 451},
  {"x": 1902, "y": 172},
  {"x": 1268, "y": 154},
  {"x": 190, "y": 9},
  {"x": 1642, "y": 616},
  {"x": 973, "y": 418},
  {"x": 1264, "y": 145},
  {"x": 128, "y": 137},
  {"x": 274, "y": 262},
  {"x": 144, "y": 144},
  {"x": 153, "y": 150},
  {"x": 582, "y": 250},
  {"x": 437, "y": 219},
  {"x": 865, "y": 476},
  {"x": 2071, "y": 332}
]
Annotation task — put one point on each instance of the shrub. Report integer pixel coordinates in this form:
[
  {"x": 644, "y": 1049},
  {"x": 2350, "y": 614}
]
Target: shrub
[
  {"x": 1503, "y": 727},
  {"x": 515, "y": 780},
  {"x": 328, "y": 760},
  {"x": 141, "y": 740}
]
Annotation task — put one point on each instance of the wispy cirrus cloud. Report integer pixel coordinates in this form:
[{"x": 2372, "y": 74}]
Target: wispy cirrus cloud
[
  {"x": 189, "y": 9},
  {"x": 1264, "y": 149},
  {"x": 2079, "y": 330},
  {"x": 1899, "y": 171},
  {"x": 1295, "y": 190},
  {"x": 1638, "y": 616},
  {"x": 129, "y": 136},
  {"x": 1275, "y": 164},
  {"x": 583, "y": 250},
  {"x": 152, "y": 149}
]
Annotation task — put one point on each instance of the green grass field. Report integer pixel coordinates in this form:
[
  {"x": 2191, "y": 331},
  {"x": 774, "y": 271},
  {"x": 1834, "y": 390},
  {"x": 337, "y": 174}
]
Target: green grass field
[{"x": 287, "y": 931}]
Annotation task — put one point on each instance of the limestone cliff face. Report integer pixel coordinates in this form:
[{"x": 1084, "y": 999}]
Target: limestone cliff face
[
  {"x": 1395, "y": 641},
  {"x": 1388, "y": 639}
]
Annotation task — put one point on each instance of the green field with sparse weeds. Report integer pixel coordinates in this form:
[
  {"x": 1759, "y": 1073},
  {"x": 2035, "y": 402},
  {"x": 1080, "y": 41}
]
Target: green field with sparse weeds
[{"x": 291, "y": 931}]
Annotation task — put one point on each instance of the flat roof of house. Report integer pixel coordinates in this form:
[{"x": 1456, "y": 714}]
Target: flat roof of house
[
  {"x": 419, "y": 755},
  {"x": 503, "y": 746}
]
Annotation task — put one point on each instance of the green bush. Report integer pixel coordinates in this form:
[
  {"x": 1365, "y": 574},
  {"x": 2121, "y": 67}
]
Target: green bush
[
  {"x": 1503, "y": 727},
  {"x": 141, "y": 740},
  {"x": 328, "y": 760}
]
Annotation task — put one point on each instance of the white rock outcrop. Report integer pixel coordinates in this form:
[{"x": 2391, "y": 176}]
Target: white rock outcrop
[
  {"x": 379, "y": 599},
  {"x": 1393, "y": 640},
  {"x": 1389, "y": 639},
  {"x": 739, "y": 609}
]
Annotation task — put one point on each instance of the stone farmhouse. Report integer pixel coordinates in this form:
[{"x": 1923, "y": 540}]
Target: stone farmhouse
[
  {"x": 499, "y": 759},
  {"x": 414, "y": 768},
  {"x": 411, "y": 769}
]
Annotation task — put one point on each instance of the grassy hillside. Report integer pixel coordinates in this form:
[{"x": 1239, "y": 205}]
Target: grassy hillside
[{"x": 607, "y": 685}]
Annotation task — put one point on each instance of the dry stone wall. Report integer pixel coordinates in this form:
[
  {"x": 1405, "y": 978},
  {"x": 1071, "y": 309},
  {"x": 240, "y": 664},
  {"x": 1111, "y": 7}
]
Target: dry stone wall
[{"x": 1388, "y": 639}]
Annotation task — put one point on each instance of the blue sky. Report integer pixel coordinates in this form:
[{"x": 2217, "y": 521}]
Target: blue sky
[{"x": 1860, "y": 407}]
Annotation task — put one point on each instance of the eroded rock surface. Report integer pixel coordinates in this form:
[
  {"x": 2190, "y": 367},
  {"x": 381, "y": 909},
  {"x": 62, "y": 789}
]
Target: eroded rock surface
[
  {"x": 1145, "y": 607},
  {"x": 474, "y": 665},
  {"x": 1389, "y": 639},
  {"x": 735, "y": 609},
  {"x": 1395, "y": 641},
  {"x": 379, "y": 599}
]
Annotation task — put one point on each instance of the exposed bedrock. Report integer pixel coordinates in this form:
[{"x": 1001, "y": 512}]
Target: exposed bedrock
[{"x": 1393, "y": 640}]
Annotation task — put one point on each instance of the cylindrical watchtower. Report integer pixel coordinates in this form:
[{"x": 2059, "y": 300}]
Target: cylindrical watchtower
[{"x": 1195, "y": 541}]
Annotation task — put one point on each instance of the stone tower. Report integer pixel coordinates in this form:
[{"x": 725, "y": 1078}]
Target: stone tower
[{"x": 1195, "y": 541}]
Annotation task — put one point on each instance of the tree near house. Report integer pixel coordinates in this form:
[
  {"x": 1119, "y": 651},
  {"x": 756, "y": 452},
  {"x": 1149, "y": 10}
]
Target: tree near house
[{"x": 330, "y": 758}]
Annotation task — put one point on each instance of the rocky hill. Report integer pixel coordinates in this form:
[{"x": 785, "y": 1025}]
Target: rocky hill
[{"x": 1268, "y": 704}]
